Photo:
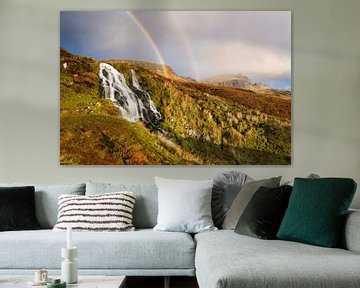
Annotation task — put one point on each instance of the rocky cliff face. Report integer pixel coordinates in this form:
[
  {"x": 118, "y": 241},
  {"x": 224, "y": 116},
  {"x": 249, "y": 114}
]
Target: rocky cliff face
[{"x": 133, "y": 102}]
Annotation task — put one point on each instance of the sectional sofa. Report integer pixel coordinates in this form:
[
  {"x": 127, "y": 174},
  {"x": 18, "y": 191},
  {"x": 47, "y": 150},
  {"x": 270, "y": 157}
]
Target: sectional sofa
[{"x": 219, "y": 259}]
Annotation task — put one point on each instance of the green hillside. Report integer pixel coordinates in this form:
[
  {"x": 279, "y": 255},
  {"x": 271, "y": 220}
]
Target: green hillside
[{"x": 203, "y": 124}]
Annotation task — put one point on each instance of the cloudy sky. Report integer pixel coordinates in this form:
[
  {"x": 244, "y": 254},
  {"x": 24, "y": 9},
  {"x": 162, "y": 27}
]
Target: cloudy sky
[{"x": 196, "y": 44}]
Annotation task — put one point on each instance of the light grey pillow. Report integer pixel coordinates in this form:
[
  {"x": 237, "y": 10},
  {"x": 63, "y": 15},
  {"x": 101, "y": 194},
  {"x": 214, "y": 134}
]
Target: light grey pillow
[
  {"x": 46, "y": 200},
  {"x": 243, "y": 198},
  {"x": 184, "y": 205}
]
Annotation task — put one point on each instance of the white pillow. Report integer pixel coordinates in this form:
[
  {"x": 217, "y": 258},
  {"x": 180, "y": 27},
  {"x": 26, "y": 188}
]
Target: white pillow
[
  {"x": 184, "y": 205},
  {"x": 104, "y": 212}
]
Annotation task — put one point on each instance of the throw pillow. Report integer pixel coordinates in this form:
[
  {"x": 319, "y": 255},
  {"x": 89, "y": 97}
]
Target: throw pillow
[
  {"x": 17, "y": 209},
  {"x": 226, "y": 187},
  {"x": 106, "y": 212},
  {"x": 184, "y": 205},
  {"x": 317, "y": 209},
  {"x": 146, "y": 205},
  {"x": 263, "y": 215},
  {"x": 243, "y": 198}
]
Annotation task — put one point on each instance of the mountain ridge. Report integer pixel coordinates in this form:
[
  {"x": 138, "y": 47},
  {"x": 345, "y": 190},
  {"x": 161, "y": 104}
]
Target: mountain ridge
[
  {"x": 229, "y": 80},
  {"x": 242, "y": 81}
]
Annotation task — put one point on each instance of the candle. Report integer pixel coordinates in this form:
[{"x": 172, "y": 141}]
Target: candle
[{"x": 69, "y": 237}]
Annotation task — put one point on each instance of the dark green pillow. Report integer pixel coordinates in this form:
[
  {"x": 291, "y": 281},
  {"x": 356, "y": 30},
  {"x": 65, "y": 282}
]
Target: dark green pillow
[
  {"x": 17, "y": 208},
  {"x": 316, "y": 211},
  {"x": 263, "y": 214}
]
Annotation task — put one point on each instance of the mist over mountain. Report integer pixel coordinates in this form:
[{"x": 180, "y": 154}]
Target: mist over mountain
[{"x": 124, "y": 112}]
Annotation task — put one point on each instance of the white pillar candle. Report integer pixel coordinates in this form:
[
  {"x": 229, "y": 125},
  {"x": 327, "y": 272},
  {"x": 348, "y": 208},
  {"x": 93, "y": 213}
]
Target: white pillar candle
[{"x": 69, "y": 237}]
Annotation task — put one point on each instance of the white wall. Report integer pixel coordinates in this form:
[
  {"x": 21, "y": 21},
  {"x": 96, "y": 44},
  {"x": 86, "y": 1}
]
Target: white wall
[{"x": 326, "y": 88}]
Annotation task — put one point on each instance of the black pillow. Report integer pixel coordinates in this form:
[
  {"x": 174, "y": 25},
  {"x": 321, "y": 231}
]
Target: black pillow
[
  {"x": 263, "y": 215},
  {"x": 17, "y": 208}
]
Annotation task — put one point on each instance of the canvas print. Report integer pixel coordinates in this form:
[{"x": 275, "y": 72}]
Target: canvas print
[{"x": 175, "y": 88}]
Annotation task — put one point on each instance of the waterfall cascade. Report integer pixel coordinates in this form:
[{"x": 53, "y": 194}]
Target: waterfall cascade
[{"x": 133, "y": 102}]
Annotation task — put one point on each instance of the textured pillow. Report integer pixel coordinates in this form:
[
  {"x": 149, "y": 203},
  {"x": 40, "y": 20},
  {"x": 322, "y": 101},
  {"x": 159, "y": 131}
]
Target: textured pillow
[
  {"x": 184, "y": 205},
  {"x": 17, "y": 209},
  {"x": 263, "y": 215},
  {"x": 106, "y": 212},
  {"x": 243, "y": 198},
  {"x": 146, "y": 205},
  {"x": 317, "y": 209},
  {"x": 46, "y": 200},
  {"x": 226, "y": 187}
]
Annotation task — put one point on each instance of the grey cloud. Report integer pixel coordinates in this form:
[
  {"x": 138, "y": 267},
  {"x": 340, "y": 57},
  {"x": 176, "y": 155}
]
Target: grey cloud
[{"x": 209, "y": 42}]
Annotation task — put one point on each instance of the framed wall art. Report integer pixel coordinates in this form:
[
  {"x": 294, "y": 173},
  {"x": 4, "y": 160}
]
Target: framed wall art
[{"x": 175, "y": 88}]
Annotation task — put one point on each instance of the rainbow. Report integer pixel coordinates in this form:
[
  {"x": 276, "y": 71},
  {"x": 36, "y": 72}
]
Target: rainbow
[
  {"x": 150, "y": 40},
  {"x": 156, "y": 49},
  {"x": 186, "y": 45}
]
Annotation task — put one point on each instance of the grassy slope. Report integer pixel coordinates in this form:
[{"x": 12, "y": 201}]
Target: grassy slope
[
  {"x": 206, "y": 124},
  {"x": 91, "y": 132}
]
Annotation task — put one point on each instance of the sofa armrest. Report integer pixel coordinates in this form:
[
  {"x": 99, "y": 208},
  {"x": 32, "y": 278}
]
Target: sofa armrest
[{"x": 351, "y": 234}]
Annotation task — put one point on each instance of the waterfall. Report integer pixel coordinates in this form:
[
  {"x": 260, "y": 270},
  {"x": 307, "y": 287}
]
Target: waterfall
[
  {"x": 150, "y": 112},
  {"x": 134, "y": 103}
]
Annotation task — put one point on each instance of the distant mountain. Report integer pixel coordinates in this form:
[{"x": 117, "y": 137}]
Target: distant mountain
[
  {"x": 262, "y": 88},
  {"x": 242, "y": 81},
  {"x": 239, "y": 80},
  {"x": 124, "y": 112}
]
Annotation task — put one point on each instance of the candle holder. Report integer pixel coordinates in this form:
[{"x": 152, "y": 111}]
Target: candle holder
[{"x": 69, "y": 271}]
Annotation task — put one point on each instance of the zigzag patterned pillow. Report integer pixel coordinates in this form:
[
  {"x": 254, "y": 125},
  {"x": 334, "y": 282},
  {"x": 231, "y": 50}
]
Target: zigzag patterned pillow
[{"x": 105, "y": 212}]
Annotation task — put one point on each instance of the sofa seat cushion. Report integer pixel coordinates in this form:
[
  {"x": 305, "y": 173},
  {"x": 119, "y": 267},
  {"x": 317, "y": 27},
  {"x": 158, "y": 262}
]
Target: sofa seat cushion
[
  {"x": 225, "y": 259},
  {"x": 141, "y": 249}
]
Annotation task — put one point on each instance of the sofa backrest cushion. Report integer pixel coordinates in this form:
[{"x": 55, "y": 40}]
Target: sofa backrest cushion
[
  {"x": 146, "y": 204},
  {"x": 46, "y": 200}
]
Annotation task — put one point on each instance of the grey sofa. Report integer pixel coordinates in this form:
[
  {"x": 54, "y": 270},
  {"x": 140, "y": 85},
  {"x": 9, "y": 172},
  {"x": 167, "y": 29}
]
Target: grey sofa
[
  {"x": 226, "y": 259},
  {"x": 218, "y": 259}
]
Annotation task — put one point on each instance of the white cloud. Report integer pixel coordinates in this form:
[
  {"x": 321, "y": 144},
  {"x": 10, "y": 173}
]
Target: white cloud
[{"x": 239, "y": 57}]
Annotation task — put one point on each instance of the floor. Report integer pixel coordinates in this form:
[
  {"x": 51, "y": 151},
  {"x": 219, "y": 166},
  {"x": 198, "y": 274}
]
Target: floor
[{"x": 158, "y": 282}]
